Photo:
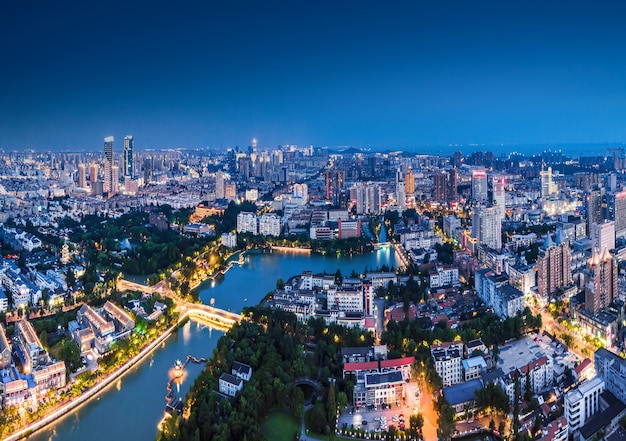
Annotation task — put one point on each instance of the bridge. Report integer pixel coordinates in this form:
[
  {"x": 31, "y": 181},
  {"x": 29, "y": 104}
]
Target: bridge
[{"x": 216, "y": 316}]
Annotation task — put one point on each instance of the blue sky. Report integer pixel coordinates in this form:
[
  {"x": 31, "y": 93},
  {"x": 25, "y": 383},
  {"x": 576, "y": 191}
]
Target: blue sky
[{"x": 406, "y": 74}]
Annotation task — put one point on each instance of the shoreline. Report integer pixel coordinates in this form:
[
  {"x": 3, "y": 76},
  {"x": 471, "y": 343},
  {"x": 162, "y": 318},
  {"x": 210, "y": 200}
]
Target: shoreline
[{"x": 107, "y": 382}]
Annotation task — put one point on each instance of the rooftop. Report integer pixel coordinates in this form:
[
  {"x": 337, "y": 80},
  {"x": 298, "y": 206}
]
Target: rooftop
[{"x": 461, "y": 393}]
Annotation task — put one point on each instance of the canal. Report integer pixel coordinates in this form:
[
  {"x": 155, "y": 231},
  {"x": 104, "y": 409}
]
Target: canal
[{"x": 132, "y": 407}]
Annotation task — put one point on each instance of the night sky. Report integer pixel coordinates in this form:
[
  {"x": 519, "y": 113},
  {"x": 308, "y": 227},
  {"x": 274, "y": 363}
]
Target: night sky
[{"x": 363, "y": 73}]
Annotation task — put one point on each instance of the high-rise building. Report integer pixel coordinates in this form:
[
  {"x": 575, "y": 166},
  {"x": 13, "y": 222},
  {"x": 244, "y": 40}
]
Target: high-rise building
[
  {"x": 220, "y": 192},
  {"x": 148, "y": 170},
  {"x": 618, "y": 202},
  {"x": 440, "y": 186},
  {"x": 499, "y": 195},
  {"x": 600, "y": 281},
  {"x": 115, "y": 179},
  {"x": 457, "y": 159},
  {"x": 401, "y": 195},
  {"x": 603, "y": 235},
  {"x": 334, "y": 183},
  {"x": 82, "y": 175},
  {"x": 547, "y": 183},
  {"x": 479, "y": 185},
  {"x": 593, "y": 207},
  {"x": 553, "y": 265},
  {"x": 452, "y": 185},
  {"x": 487, "y": 226},
  {"x": 128, "y": 166},
  {"x": 409, "y": 179},
  {"x": 583, "y": 402},
  {"x": 93, "y": 173},
  {"x": 108, "y": 164}
]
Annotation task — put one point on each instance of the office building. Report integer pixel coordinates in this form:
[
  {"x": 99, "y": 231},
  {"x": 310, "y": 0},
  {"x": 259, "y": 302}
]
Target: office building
[
  {"x": 479, "y": 185},
  {"x": 603, "y": 235},
  {"x": 553, "y": 265},
  {"x": 487, "y": 226},
  {"x": 128, "y": 166},
  {"x": 148, "y": 170},
  {"x": 499, "y": 195},
  {"x": 220, "y": 192},
  {"x": 618, "y": 202},
  {"x": 108, "y": 164},
  {"x": 401, "y": 195},
  {"x": 593, "y": 208},
  {"x": 547, "y": 183},
  {"x": 600, "y": 281}
]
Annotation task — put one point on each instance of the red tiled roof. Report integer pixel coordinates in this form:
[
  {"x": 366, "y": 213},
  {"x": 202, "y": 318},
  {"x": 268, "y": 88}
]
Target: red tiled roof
[
  {"x": 538, "y": 362},
  {"x": 397, "y": 362},
  {"x": 368, "y": 365},
  {"x": 578, "y": 369}
]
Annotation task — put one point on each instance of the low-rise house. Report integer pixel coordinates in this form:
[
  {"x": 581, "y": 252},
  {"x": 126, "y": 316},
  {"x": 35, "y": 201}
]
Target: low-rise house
[
  {"x": 229, "y": 384},
  {"x": 242, "y": 371}
]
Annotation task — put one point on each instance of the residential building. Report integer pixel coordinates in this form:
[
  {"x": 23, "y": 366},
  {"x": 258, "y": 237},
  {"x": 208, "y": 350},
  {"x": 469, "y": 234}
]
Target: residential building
[
  {"x": 447, "y": 359},
  {"x": 487, "y": 226},
  {"x": 603, "y": 235},
  {"x": 600, "y": 281},
  {"x": 269, "y": 225},
  {"x": 581, "y": 403},
  {"x": 479, "y": 185},
  {"x": 128, "y": 160},
  {"x": 443, "y": 275},
  {"x": 499, "y": 195},
  {"x": 123, "y": 321},
  {"x": 611, "y": 368},
  {"x": 31, "y": 351},
  {"x": 473, "y": 367},
  {"x": 241, "y": 370},
  {"x": 230, "y": 384},
  {"x": 348, "y": 228},
  {"x": 247, "y": 223},
  {"x": 5, "y": 350},
  {"x": 554, "y": 269},
  {"x": 108, "y": 164},
  {"x": 229, "y": 240}
]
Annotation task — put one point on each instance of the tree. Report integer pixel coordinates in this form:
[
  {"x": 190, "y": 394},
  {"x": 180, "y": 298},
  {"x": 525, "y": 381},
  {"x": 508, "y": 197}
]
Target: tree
[
  {"x": 331, "y": 403},
  {"x": 70, "y": 354},
  {"x": 338, "y": 277},
  {"x": 70, "y": 278},
  {"x": 280, "y": 284},
  {"x": 342, "y": 400},
  {"x": 43, "y": 338}
]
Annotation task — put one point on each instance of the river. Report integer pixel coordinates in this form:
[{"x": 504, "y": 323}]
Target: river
[{"x": 132, "y": 407}]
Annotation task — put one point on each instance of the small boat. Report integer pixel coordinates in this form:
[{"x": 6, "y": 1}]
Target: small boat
[{"x": 178, "y": 369}]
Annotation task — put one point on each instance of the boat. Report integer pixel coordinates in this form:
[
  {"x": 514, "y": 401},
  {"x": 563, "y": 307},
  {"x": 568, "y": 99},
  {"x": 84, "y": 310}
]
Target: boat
[{"x": 178, "y": 369}]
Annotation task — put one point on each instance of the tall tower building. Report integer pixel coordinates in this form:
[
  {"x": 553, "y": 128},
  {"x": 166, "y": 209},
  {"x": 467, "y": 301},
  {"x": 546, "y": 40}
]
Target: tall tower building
[
  {"x": 440, "y": 186},
  {"x": 600, "y": 281},
  {"x": 108, "y": 164},
  {"x": 547, "y": 183},
  {"x": 499, "y": 196},
  {"x": 452, "y": 185},
  {"x": 148, "y": 170},
  {"x": 82, "y": 175},
  {"x": 128, "y": 165},
  {"x": 553, "y": 265},
  {"x": 401, "y": 195},
  {"x": 409, "y": 179},
  {"x": 479, "y": 185},
  {"x": 115, "y": 179},
  {"x": 93, "y": 173},
  {"x": 618, "y": 202},
  {"x": 603, "y": 235},
  {"x": 593, "y": 207},
  {"x": 487, "y": 226},
  {"x": 220, "y": 192}
]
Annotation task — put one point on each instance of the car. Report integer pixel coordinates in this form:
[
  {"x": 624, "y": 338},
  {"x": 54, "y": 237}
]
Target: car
[
  {"x": 364, "y": 422},
  {"x": 377, "y": 418},
  {"x": 470, "y": 421}
]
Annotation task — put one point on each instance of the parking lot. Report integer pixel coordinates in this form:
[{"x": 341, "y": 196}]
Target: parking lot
[{"x": 379, "y": 419}]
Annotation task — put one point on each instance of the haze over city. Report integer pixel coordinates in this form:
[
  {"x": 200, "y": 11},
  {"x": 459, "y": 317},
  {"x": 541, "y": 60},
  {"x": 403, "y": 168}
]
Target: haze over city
[{"x": 366, "y": 74}]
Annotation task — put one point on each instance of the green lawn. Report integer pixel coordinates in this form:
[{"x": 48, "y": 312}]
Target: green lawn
[{"x": 280, "y": 426}]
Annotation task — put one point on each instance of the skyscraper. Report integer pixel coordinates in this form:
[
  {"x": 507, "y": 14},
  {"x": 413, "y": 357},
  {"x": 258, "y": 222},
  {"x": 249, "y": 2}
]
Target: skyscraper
[
  {"x": 547, "y": 184},
  {"x": 452, "y": 185},
  {"x": 409, "y": 179},
  {"x": 600, "y": 281},
  {"x": 82, "y": 175},
  {"x": 219, "y": 185},
  {"x": 593, "y": 207},
  {"x": 618, "y": 202},
  {"x": 401, "y": 195},
  {"x": 499, "y": 195},
  {"x": 479, "y": 185},
  {"x": 115, "y": 179},
  {"x": 440, "y": 187},
  {"x": 128, "y": 166},
  {"x": 108, "y": 164},
  {"x": 93, "y": 173},
  {"x": 603, "y": 235},
  {"x": 553, "y": 265},
  {"x": 487, "y": 226}
]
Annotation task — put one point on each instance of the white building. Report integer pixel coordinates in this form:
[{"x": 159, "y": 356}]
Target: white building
[
  {"x": 447, "y": 358},
  {"x": 444, "y": 276},
  {"x": 499, "y": 195},
  {"x": 269, "y": 225},
  {"x": 583, "y": 402},
  {"x": 603, "y": 235},
  {"x": 247, "y": 223},
  {"x": 487, "y": 226},
  {"x": 345, "y": 298},
  {"x": 230, "y": 384},
  {"x": 229, "y": 240},
  {"x": 473, "y": 367},
  {"x": 479, "y": 185}
]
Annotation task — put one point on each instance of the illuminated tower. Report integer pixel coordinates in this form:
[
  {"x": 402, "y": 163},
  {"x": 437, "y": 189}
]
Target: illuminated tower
[
  {"x": 409, "y": 179},
  {"x": 93, "y": 173},
  {"x": 479, "y": 185},
  {"x": 499, "y": 194},
  {"x": 128, "y": 166},
  {"x": 108, "y": 164},
  {"x": 600, "y": 281},
  {"x": 82, "y": 175}
]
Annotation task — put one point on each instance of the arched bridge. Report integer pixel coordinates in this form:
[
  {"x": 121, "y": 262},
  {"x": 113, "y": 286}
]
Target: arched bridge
[
  {"x": 200, "y": 311},
  {"x": 306, "y": 381}
]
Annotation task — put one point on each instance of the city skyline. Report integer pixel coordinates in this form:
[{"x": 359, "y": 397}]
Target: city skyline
[{"x": 404, "y": 76}]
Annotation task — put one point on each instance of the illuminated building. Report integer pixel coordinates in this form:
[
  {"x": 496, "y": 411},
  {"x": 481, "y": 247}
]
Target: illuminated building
[
  {"x": 479, "y": 185},
  {"x": 108, "y": 164},
  {"x": 128, "y": 166},
  {"x": 553, "y": 265}
]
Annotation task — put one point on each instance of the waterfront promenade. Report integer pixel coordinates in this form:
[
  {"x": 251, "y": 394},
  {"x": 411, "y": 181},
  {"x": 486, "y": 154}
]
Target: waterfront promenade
[{"x": 214, "y": 316}]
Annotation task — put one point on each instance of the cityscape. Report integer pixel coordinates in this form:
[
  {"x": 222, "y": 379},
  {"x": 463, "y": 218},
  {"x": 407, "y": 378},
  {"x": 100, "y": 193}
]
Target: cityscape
[{"x": 313, "y": 221}]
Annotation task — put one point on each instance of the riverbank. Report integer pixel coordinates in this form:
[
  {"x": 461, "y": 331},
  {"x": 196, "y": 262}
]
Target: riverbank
[{"x": 101, "y": 386}]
